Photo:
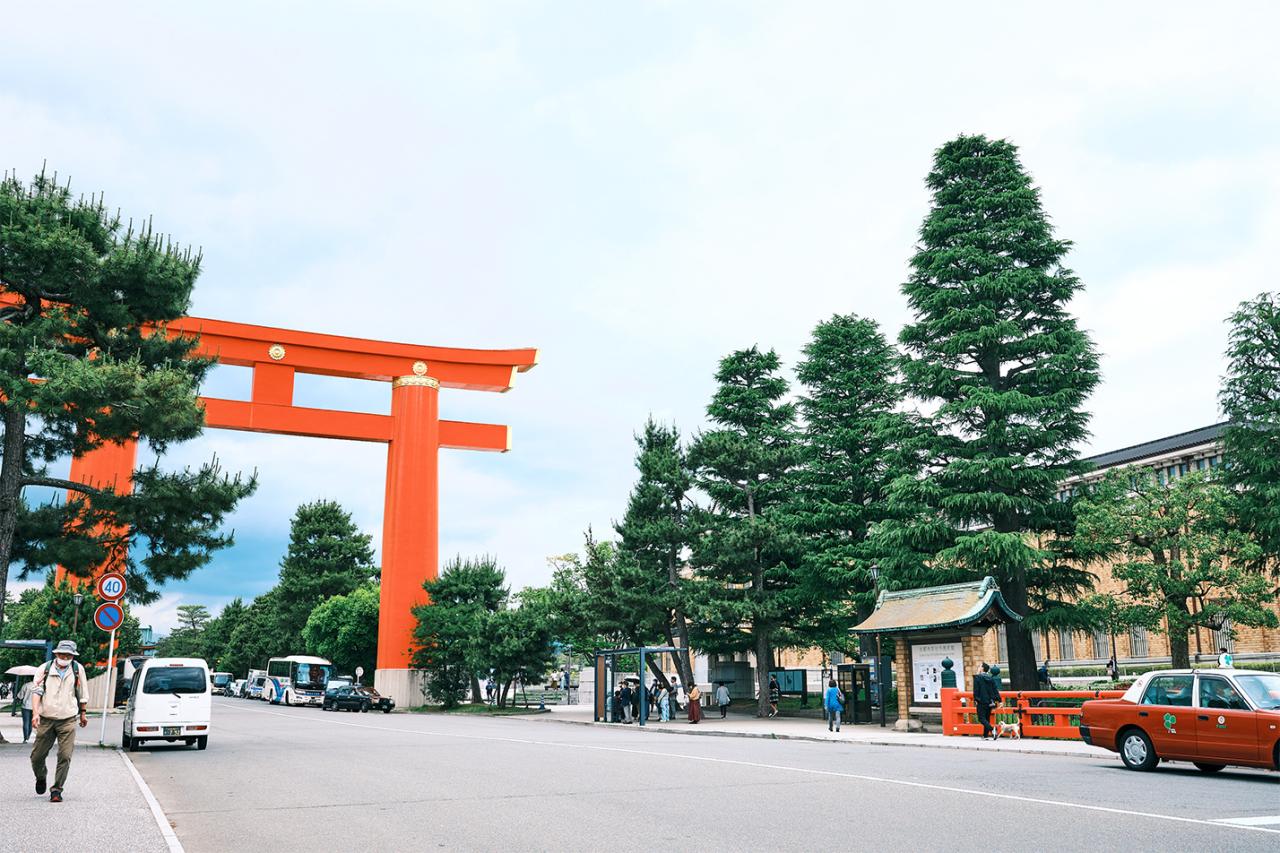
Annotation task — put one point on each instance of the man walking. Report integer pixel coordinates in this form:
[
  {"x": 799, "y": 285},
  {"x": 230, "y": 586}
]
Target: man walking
[
  {"x": 986, "y": 697},
  {"x": 58, "y": 700},
  {"x": 625, "y": 698},
  {"x": 722, "y": 699}
]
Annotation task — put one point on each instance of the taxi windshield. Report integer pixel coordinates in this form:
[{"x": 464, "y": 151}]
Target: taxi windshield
[{"x": 1263, "y": 688}]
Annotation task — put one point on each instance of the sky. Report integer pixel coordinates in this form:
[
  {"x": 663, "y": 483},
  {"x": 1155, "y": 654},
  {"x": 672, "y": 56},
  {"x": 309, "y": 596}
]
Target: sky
[{"x": 637, "y": 190}]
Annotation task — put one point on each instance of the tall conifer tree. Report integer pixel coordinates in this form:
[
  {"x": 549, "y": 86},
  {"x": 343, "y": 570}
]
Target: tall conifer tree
[
  {"x": 1251, "y": 401},
  {"x": 654, "y": 533},
  {"x": 993, "y": 347},
  {"x": 744, "y": 554},
  {"x": 855, "y": 443}
]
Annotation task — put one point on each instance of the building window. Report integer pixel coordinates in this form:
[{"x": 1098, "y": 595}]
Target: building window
[
  {"x": 1002, "y": 643},
  {"x": 1036, "y": 644},
  {"x": 1139, "y": 647},
  {"x": 1066, "y": 645},
  {"x": 1102, "y": 644}
]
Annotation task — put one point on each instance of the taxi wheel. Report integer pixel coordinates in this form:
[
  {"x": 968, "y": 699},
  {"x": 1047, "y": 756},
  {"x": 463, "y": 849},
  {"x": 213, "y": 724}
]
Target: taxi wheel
[
  {"x": 1136, "y": 750},
  {"x": 1209, "y": 768}
]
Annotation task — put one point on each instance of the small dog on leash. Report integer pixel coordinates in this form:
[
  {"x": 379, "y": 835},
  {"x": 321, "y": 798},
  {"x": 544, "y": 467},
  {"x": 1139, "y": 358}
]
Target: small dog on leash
[{"x": 1013, "y": 730}]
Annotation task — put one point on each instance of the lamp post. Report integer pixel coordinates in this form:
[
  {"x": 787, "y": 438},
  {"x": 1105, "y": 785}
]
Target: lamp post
[
  {"x": 75, "y": 619},
  {"x": 875, "y": 588}
]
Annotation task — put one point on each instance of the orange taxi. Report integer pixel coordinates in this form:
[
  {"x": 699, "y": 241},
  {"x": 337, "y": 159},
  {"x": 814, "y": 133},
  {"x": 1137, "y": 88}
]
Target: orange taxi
[{"x": 1210, "y": 717}]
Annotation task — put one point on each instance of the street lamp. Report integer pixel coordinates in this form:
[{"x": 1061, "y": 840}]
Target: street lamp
[
  {"x": 875, "y": 588},
  {"x": 75, "y": 620}
]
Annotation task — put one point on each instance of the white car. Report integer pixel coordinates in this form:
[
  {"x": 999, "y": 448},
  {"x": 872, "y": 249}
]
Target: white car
[{"x": 170, "y": 699}]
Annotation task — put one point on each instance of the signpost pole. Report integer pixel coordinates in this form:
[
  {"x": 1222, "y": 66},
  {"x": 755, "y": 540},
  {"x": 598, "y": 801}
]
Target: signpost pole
[{"x": 106, "y": 700}]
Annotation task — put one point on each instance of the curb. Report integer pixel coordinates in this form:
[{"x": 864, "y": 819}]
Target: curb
[
  {"x": 1075, "y": 753},
  {"x": 162, "y": 822}
]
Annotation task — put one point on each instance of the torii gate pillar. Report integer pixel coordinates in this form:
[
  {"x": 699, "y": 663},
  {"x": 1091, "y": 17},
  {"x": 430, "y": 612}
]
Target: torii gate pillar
[{"x": 410, "y": 525}]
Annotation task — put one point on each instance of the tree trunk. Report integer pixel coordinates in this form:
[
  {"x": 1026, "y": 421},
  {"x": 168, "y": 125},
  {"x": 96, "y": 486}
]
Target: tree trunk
[
  {"x": 15, "y": 433},
  {"x": 681, "y": 639},
  {"x": 1179, "y": 637},
  {"x": 763, "y": 654},
  {"x": 1022, "y": 653},
  {"x": 476, "y": 696}
]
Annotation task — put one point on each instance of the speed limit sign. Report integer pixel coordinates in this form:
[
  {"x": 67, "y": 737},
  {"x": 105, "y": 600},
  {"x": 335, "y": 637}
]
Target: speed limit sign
[{"x": 111, "y": 586}]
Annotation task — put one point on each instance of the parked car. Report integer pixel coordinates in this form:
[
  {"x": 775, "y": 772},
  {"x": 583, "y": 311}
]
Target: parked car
[
  {"x": 344, "y": 698},
  {"x": 1210, "y": 717},
  {"x": 236, "y": 688},
  {"x": 375, "y": 701},
  {"x": 169, "y": 699}
]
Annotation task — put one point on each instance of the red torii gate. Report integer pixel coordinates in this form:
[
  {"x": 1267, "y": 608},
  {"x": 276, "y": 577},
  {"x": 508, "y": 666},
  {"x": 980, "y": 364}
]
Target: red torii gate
[{"x": 413, "y": 432}]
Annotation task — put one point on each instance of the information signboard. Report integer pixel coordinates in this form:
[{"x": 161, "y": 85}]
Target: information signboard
[{"x": 926, "y": 669}]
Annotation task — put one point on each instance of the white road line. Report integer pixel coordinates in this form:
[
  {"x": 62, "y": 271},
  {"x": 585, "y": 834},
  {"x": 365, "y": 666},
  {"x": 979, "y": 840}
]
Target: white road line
[
  {"x": 1266, "y": 820},
  {"x": 813, "y": 772},
  {"x": 170, "y": 838}
]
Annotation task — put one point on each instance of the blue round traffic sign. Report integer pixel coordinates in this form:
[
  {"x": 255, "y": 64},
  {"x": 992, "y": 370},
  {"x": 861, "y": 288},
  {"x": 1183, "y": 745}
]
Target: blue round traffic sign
[{"x": 108, "y": 616}]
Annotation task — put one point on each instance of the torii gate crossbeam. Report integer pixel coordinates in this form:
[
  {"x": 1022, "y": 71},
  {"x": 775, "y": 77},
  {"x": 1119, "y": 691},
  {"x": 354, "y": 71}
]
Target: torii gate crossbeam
[{"x": 413, "y": 432}]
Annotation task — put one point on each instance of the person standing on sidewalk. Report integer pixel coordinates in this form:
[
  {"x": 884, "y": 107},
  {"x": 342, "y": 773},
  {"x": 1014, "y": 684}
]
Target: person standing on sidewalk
[
  {"x": 625, "y": 698},
  {"x": 695, "y": 704},
  {"x": 986, "y": 698},
  {"x": 775, "y": 694},
  {"x": 59, "y": 701},
  {"x": 833, "y": 704},
  {"x": 664, "y": 704},
  {"x": 722, "y": 699},
  {"x": 24, "y": 698}
]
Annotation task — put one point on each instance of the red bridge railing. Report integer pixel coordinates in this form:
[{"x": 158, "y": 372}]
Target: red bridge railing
[{"x": 1031, "y": 708}]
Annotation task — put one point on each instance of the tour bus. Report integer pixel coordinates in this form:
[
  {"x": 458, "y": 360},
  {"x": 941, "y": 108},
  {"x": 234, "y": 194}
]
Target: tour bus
[
  {"x": 221, "y": 681},
  {"x": 297, "y": 680},
  {"x": 168, "y": 700}
]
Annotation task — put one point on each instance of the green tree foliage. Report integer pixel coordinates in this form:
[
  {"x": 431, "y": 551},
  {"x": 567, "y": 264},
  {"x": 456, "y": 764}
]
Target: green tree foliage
[
  {"x": 83, "y": 285},
  {"x": 257, "y": 636},
  {"x": 50, "y": 613},
  {"x": 1008, "y": 369},
  {"x": 193, "y": 616},
  {"x": 853, "y": 447},
  {"x": 217, "y": 633},
  {"x": 473, "y": 625},
  {"x": 327, "y": 556},
  {"x": 344, "y": 629},
  {"x": 518, "y": 643},
  {"x": 1175, "y": 543},
  {"x": 1250, "y": 399},
  {"x": 450, "y": 634},
  {"x": 748, "y": 595},
  {"x": 654, "y": 533}
]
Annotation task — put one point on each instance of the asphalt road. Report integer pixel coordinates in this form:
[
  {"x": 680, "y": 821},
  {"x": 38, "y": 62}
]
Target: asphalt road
[{"x": 302, "y": 779}]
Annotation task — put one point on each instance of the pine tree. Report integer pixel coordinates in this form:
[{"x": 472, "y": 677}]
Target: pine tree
[
  {"x": 327, "y": 556},
  {"x": 78, "y": 288},
  {"x": 993, "y": 347},
  {"x": 654, "y": 534},
  {"x": 1251, "y": 401},
  {"x": 450, "y": 633},
  {"x": 216, "y": 636},
  {"x": 744, "y": 556},
  {"x": 855, "y": 443}
]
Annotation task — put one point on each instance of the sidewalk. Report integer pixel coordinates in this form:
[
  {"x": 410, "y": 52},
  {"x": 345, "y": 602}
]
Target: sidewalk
[
  {"x": 794, "y": 728},
  {"x": 103, "y": 811}
]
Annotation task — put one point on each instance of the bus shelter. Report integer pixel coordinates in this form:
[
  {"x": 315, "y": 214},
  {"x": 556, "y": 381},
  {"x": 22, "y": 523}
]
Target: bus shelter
[{"x": 606, "y": 670}]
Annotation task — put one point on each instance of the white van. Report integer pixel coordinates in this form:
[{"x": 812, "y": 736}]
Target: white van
[{"x": 170, "y": 699}]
